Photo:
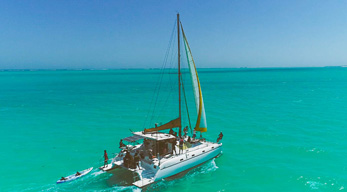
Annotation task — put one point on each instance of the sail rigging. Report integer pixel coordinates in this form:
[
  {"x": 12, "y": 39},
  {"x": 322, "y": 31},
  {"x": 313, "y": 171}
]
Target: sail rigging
[
  {"x": 179, "y": 74},
  {"x": 201, "y": 124}
]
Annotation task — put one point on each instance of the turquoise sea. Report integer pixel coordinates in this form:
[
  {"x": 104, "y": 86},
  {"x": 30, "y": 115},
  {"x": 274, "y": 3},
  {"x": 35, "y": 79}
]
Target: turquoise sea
[{"x": 284, "y": 129}]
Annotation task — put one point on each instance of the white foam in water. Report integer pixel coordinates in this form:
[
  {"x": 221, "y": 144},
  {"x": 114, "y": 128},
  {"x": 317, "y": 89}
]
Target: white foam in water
[
  {"x": 126, "y": 188},
  {"x": 313, "y": 184},
  {"x": 98, "y": 173},
  {"x": 210, "y": 166}
]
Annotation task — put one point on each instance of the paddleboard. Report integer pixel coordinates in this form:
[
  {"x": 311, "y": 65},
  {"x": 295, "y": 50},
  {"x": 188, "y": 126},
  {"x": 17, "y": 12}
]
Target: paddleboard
[{"x": 73, "y": 177}]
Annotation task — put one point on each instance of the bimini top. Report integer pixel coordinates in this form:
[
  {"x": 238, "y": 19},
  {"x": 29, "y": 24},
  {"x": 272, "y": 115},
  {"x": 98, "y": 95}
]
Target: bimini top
[
  {"x": 133, "y": 138},
  {"x": 154, "y": 135}
]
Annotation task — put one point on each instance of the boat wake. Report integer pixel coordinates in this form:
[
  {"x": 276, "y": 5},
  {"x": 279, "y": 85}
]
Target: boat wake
[
  {"x": 123, "y": 189},
  {"x": 98, "y": 173}
]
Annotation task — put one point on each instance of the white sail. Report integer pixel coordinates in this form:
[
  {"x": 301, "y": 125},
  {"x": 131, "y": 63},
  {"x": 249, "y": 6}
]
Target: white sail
[{"x": 201, "y": 124}]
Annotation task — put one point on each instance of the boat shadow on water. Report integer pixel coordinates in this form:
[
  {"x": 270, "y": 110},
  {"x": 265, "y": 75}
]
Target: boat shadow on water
[{"x": 120, "y": 177}]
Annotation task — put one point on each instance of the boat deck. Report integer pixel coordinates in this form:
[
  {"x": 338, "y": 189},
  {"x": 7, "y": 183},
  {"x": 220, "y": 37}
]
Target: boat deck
[{"x": 143, "y": 182}]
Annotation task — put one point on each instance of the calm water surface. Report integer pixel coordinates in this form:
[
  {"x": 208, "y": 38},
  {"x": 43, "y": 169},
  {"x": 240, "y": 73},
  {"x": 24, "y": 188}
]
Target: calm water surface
[{"x": 284, "y": 129}]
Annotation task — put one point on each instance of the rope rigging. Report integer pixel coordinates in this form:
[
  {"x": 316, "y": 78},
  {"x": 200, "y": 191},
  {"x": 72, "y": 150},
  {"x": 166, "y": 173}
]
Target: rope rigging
[{"x": 159, "y": 83}]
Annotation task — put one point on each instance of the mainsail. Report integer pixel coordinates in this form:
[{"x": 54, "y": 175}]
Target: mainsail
[
  {"x": 201, "y": 124},
  {"x": 172, "y": 124}
]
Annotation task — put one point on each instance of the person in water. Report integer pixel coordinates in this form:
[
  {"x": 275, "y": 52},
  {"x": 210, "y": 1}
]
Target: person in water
[
  {"x": 106, "y": 158},
  {"x": 220, "y": 137},
  {"x": 121, "y": 144},
  {"x": 77, "y": 174}
]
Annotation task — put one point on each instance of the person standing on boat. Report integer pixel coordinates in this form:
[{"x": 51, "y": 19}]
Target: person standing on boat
[
  {"x": 181, "y": 145},
  {"x": 121, "y": 144},
  {"x": 146, "y": 143},
  {"x": 106, "y": 158},
  {"x": 194, "y": 134},
  {"x": 171, "y": 132},
  {"x": 173, "y": 143},
  {"x": 185, "y": 130},
  {"x": 150, "y": 154},
  {"x": 137, "y": 160},
  {"x": 220, "y": 137}
]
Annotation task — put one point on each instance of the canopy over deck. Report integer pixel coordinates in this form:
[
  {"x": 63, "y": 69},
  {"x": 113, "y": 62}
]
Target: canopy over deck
[
  {"x": 133, "y": 138},
  {"x": 155, "y": 135}
]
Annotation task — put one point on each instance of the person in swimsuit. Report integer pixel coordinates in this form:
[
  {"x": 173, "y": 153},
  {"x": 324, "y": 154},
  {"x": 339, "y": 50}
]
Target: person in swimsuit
[{"x": 106, "y": 158}]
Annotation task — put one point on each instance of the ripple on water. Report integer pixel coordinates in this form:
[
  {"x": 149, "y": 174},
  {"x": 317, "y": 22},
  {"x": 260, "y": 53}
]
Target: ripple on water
[{"x": 319, "y": 183}]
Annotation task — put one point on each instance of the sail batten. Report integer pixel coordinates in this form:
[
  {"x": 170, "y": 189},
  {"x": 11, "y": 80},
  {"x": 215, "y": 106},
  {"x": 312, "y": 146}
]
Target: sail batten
[{"x": 201, "y": 124}]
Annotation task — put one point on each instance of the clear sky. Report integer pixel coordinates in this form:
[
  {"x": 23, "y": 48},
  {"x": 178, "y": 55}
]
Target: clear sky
[{"x": 135, "y": 34}]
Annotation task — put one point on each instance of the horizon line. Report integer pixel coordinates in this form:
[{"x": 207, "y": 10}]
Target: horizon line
[{"x": 154, "y": 68}]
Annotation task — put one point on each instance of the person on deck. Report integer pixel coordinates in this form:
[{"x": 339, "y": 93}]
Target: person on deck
[
  {"x": 171, "y": 132},
  {"x": 137, "y": 160},
  {"x": 194, "y": 134},
  {"x": 150, "y": 154},
  {"x": 173, "y": 143},
  {"x": 121, "y": 144},
  {"x": 125, "y": 159},
  {"x": 185, "y": 130},
  {"x": 181, "y": 145},
  {"x": 106, "y": 158},
  {"x": 146, "y": 143},
  {"x": 189, "y": 140},
  {"x": 128, "y": 160},
  {"x": 220, "y": 137}
]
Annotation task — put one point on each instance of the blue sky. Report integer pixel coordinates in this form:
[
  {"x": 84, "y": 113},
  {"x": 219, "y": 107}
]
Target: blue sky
[{"x": 135, "y": 34}]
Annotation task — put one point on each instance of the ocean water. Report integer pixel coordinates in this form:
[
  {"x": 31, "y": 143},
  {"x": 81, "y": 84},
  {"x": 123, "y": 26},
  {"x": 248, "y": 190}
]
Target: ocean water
[{"x": 284, "y": 129}]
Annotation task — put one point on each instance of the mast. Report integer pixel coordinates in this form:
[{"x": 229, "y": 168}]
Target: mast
[{"x": 179, "y": 73}]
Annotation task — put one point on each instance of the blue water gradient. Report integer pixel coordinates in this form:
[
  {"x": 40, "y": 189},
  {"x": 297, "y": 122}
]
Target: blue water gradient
[{"x": 284, "y": 129}]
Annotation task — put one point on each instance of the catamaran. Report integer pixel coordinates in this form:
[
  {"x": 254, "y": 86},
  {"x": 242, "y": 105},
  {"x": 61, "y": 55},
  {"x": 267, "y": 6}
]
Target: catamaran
[{"x": 152, "y": 154}]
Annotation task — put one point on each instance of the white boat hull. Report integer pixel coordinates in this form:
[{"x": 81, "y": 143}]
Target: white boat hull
[{"x": 190, "y": 159}]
